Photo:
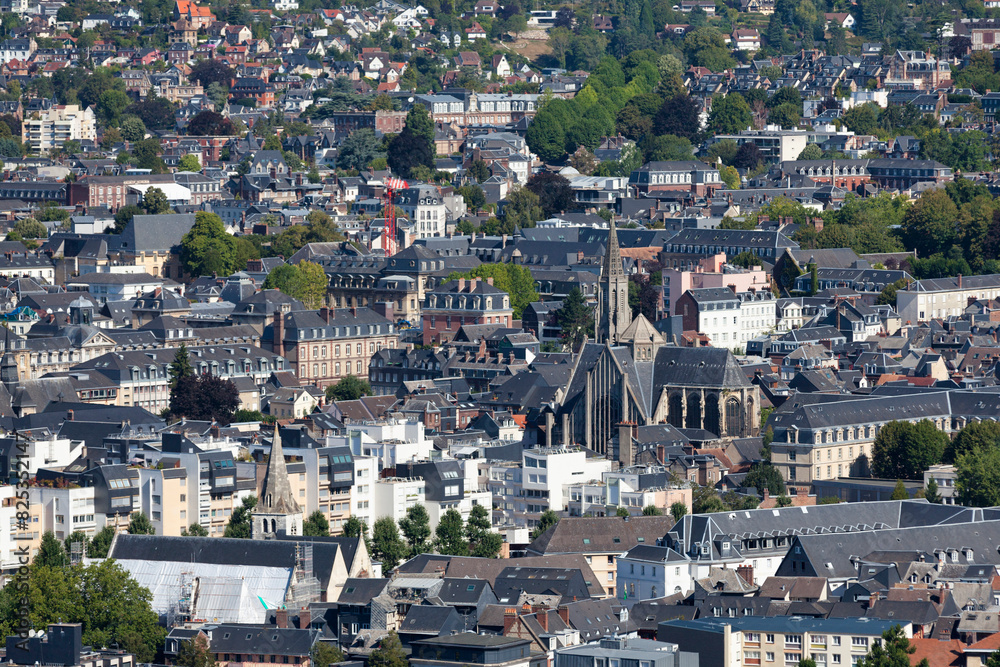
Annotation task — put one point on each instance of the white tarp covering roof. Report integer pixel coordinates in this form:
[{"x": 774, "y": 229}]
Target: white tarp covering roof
[{"x": 220, "y": 593}]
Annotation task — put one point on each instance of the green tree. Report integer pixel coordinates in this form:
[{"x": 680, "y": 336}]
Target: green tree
[
  {"x": 887, "y": 297},
  {"x": 450, "y": 534},
  {"x": 764, "y": 476},
  {"x": 479, "y": 171},
  {"x": 194, "y": 530},
  {"x": 545, "y": 521},
  {"x": 931, "y": 493},
  {"x": 132, "y": 129},
  {"x": 358, "y": 150},
  {"x": 899, "y": 492},
  {"x": 50, "y": 552},
  {"x": 978, "y": 481},
  {"x": 207, "y": 249},
  {"x": 984, "y": 435},
  {"x": 678, "y": 510},
  {"x": 929, "y": 225},
  {"x": 546, "y": 137},
  {"x": 730, "y": 114},
  {"x": 783, "y": 501},
  {"x": 189, "y": 162},
  {"x": 355, "y": 527},
  {"x": 316, "y": 525},
  {"x": 522, "y": 208},
  {"x": 622, "y": 512},
  {"x": 195, "y": 653},
  {"x": 348, "y": 388},
  {"x": 324, "y": 654},
  {"x": 389, "y": 653},
  {"x": 482, "y": 540},
  {"x": 29, "y": 228},
  {"x": 139, "y": 524},
  {"x": 652, "y": 510},
  {"x": 904, "y": 451},
  {"x": 146, "y": 155},
  {"x": 575, "y": 319},
  {"x": 100, "y": 545},
  {"x": 240, "y": 524},
  {"x": 414, "y": 146},
  {"x": 861, "y": 119},
  {"x": 893, "y": 651},
  {"x": 811, "y": 152},
  {"x": 180, "y": 366},
  {"x": 154, "y": 202},
  {"x": 387, "y": 546},
  {"x": 416, "y": 529}
]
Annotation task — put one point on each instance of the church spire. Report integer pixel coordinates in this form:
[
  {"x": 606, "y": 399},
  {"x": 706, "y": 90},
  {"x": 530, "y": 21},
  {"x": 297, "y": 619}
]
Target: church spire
[
  {"x": 276, "y": 493},
  {"x": 613, "y": 312}
]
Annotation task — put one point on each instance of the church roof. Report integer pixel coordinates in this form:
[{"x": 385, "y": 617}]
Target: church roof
[
  {"x": 641, "y": 331},
  {"x": 698, "y": 367},
  {"x": 276, "y": 493}
]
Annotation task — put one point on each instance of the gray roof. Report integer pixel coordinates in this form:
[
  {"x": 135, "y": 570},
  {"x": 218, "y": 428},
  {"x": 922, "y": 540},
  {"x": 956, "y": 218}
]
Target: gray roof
[{"x": 155, "y": 232}]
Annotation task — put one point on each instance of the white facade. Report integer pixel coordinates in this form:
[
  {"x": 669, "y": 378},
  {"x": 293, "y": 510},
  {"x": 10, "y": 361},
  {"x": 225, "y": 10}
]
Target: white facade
[
  {"x": 58, "y": 125},
  {"x": 391, "y": 442},
  {"x": 393, "y": 496}
]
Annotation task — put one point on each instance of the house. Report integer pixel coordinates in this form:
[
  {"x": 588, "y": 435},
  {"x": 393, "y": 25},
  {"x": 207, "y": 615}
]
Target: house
[
  {"x": 487, "y": 8},
  {"x": 841, "y": 19},
  {"x": 746, "y": 39},
  {"x": 475, "y": 32},
  {"x": 500, "y": 67}
]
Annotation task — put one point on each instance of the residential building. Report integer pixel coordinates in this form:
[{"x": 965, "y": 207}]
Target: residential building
[
  {"x": 710, "y": 272},
  {"x": 728, "y": 318},
  {"x": 690, "y": 176},
  {"x": 57, "y": 125},
  {"x": 451, "y": 306},
  {"x": 775, "y": 144},
  {"x": 935, "y": 298}
]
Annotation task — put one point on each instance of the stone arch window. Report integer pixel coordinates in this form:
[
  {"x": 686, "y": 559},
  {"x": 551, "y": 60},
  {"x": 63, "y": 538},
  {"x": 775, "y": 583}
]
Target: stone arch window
[
  {"x": 675, "y": 410},
  {"x": 694, "y": 411},
  {"x": 712, "y": 414},
  {"x": 734, "y": 417}
]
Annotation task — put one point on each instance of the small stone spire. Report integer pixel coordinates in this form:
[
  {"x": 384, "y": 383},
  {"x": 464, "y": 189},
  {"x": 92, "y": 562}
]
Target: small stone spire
[
  {"x": 276, "y": 493},
  {"x": 613, "y": 255}
]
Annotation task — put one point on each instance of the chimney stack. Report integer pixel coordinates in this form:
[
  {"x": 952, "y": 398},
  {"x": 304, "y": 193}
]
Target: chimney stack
[
  {"x": 324, "y": 312},
  {"x": 281, "y": 618},
  {"x": 305, "y": 618},
  {"x": 278, "y": 334},
  {"x": 564, "y": 613},
  {"x": 509, "y": 616}
]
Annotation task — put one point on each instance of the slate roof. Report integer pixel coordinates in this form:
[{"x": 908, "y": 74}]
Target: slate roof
[
  {"x": 599, "y": 535},
  {"x": 154, "y": 232},
  {"x": 262, "y": 641},
  {"x": 700, "y": 367},
  {"x": 360, "y": 591}
]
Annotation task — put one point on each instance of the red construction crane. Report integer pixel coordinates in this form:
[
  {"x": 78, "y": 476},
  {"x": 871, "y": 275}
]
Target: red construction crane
[{"x": 392, "y": 185}]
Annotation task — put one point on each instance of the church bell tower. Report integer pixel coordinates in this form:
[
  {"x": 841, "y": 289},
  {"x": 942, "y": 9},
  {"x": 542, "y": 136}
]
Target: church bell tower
[
  {"x": 613, "y": 312},
  {"x": 276, "y": 513}
]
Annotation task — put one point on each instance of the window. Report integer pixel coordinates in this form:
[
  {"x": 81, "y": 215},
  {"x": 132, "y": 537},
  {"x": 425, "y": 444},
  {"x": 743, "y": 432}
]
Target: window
[
  {"x": 859, "y": 642},
  {"x": 769, "y": 638}
]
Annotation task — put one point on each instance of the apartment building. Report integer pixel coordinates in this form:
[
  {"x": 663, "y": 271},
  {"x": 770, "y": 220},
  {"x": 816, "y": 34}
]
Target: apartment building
[
  {"x": 689, "y": 246},
  {"x": 710, "y": 272},
  {"x": 323, "y": 346},
  {"x": 776, "y": 145},
  {"x": 57, "y": 125},
  {"x": 449, "y": 307},
  {"x": 728, "y": 318},
  {"x": 690, "y": 176},
  {"x": 780, "y": 641},
  {"x": 935, "y": 298},
  {"x": 424, "y": 206}
]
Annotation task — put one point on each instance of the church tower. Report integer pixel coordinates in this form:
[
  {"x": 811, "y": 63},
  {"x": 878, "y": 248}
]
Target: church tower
[
  {"x": 276, "y": 513},
  {"x": 9, "y": 375},
  {"x": 613, "y": 312}
]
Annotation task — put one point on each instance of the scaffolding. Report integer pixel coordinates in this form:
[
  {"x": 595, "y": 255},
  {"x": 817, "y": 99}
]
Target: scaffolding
[
  {"x": 76, "y": 552},
  {"x": 305, "y": 585}
]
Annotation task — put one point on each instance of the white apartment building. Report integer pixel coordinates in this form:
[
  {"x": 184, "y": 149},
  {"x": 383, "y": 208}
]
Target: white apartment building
[
  {"x": 391, "y": 441},
  {"x": 393, "y": 496},
  {"x": 728, "y": 318},
  {"x": 942, "y": 297},
  {"x": 57, "y": 125},
  {"x": 946, "y": 477},
  {"x": 425, "y": 207}
]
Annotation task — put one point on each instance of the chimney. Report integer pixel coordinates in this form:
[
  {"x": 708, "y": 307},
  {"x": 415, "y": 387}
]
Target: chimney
[
  {"x": 324, "y": 312},
  {"x": 543, "y": 619},
  {"x": 70, "y": 415},
  {"x": 305, "y": 618},
  {"x": 281, "y": 618},
  {"x": 489, "y": 281},
  {"x": 278, "y": 334},
  {"x": 745, "y": 573},
  {"x": 473, "y": 284},
  {"x": 564, "y": 613},
  {"x": 461, "y": 284},
  {"x": 767, "y": 494},
  {"x": 661, "y": 453},
  {"x": 385, "y": 309},
  {"x": 960, "y": 281},
  {"x": 509, "y": 616}
]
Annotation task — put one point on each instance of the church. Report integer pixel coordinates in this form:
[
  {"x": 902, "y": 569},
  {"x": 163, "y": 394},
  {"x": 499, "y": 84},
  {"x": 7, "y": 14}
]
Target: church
[{"x": 631, "y": 375}]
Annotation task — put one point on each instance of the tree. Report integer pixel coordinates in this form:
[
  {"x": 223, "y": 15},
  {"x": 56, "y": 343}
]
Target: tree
[
  {"x": 546, "y": 521},
  {"x": 416, "y": 529},
  {"x": 101, "y": 544},
  {"x": 479, "y": 171},
  {"x": 389, "y": 653},
  {"x": 904, "y": 451},
  {"x": 553, "y": 191},
  {"x": 978, "y": 481},
  {"x": 414, "y": 146},
  {"x": 111, "y": 106},
  {"x": 139, "y": 524},
  {"x": 154, "y": 202},
  {"x": 180, "y": 366},
  {"x": 575, "y": 319},
  {"x": 861, "y": 119},
  {"x": 893, "y": 651},
  {"x": 188, "y": 162},
  {"x": 146, "y": 155},
  {"x": 349, "y": 388},
  {"x": 355, "y": 527},
  {"x": 764, "y": 476},
  {"x": 482, "y": 540},
  {"x": 887, "y": 297},
  {"x": 749, "y": 156},
  {"x": 50, "y": 552},
  {"x": 984, "y": 435},
  {"x": 316, "y": 525},
  {"x": 207, "y": 72},
  {"x": 450, "y": 534},
  {"x": 678, "y": 510},
  {"x": 931, "y": 493},
  {"x": 652, "y": 510},
  {"x": 522, "y": 208},
  {"x": 195, "y": 653},
  {"x": 207, "y": 249},
  {"x": 387, "y": 546},
  {"x": 473, "y": 195},
  {"x": 210, "y": 123},
  {"x": 240, "y": 524},
  {"x": 324, "y": 654},
  {"x": 29, "y": 228},
  {"x": 359, "y": 149},
  {"x": 133, "y": 129},
  {"x": 194, "y": 530},
  {"x": 929, "y": 225},
  {"x": 546, "y": 137},
  {"x": 204, "y": 397},
  {"x": 74, "y": 537},
  {"x": 678, "y": 116},
  {"x": 730, "y": 114},
  {"x": 899, "y": 492},
  {"x": 811, "y": 152},
  {"x": 622, "y": 512},
  {"x": 157, "y": 113}
]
